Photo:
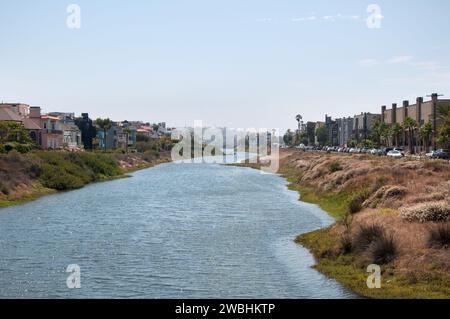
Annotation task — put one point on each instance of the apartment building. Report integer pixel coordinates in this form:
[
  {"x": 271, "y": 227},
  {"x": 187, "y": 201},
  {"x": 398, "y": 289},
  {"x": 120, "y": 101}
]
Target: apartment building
[{"x": 422, "y": 112}]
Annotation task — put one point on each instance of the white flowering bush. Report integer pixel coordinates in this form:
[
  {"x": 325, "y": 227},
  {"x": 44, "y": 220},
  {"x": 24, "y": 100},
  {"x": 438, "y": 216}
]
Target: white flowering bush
[{"x": 427, "y": 212}]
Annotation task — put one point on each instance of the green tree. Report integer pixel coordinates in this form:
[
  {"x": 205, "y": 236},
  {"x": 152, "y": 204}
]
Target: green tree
[
  {"x": 14, "y": 132},
  {"x": 287, "y": 138},
  {"x": 105, "y": 125},
  {"x": 410, "y": 125},
  {"x": 351, "y": 143},
  {"x": 425, "y": 132},
  {"x": 367, "y": 143},
  {"x": 301, "y": 138},
  {"x": 379, "y": 132},
  {"x": 322, "y": 135},
  {"x": 396, "y": 129},
  {"x": 443, "y": 131},
  {"x": 387, "y": 135}
]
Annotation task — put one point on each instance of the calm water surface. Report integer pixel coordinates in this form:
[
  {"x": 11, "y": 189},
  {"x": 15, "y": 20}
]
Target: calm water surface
[{"x": 173, "y": 231}]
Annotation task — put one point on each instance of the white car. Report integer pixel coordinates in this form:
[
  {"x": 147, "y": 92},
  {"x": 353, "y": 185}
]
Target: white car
[{"x": 395, "y": 154}]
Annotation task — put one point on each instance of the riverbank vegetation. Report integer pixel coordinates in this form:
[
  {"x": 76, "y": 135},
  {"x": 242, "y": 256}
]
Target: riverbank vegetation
[
  {"x": 25, "y": 177},
  {"x": 394, "y": 213}
]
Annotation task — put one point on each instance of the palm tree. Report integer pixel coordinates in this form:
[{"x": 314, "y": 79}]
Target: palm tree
[
  {"x": 299, "y": 118},
  {"x": 410, "y": 125},
  {"x": 396, "y": 129},
  {"x": 425, "y": 132},
  {"x": 377, "y": 130},
  {"x": 387, "y": 135},
  {"x": 105, "y": 125},
  {"x": 443, "y": 112},
  {"x": 443, "y": 132}
]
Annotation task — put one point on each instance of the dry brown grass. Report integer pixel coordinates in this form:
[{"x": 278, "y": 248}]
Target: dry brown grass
[{"x": 394, "y": 184}]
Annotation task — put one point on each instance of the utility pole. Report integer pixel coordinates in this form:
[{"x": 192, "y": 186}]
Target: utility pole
[{"x": 434, "y": 100}]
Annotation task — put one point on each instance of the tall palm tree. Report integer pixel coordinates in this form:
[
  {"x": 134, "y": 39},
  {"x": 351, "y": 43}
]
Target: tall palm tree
[
  {"x": 425, "y": 132},
  {"x": 443, "y": 131},
  {"x": 377, "y": 130},
  {"x": 443, "y": 112},
  {"x": 105, "y": 125},
  {"x": 396, "y": 129},
  {"x": 410, "y": 125},
  {"x": 386, "y": 134},
  {"x": 299, "y": 118}
]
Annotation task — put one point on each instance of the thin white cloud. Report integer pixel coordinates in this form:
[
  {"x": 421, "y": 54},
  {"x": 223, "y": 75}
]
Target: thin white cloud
[
  {"x": 427, "y": 65},
  {"x": 265, "y": 20},
  {"x": 400, "y": 59},
  {"x": 327, "y": 18},
  {"x": 368, "y": 62}
]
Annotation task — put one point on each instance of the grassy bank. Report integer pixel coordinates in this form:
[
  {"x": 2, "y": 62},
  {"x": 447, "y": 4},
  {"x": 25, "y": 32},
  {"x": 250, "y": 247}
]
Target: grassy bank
[
  {"x": 363, "y": 193},
  {"x": 367, "y": 194},
  {"x": 25, "y": 177},
  {"x": 351, "y": 271}
]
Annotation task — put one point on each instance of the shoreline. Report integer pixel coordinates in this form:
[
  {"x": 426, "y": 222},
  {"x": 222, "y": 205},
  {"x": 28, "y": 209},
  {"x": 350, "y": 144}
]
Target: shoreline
[
  {"x": 399, "y": 279},
  {"x": 36, "y": 190}
]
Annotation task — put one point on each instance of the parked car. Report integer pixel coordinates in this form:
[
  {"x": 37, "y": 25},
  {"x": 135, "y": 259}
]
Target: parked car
[
  {"x": 374, "y": 151},
  {"x": 441, "y": 154},
  {"x": 395, "y": 154},
  {"x": 384, "y": 151}
]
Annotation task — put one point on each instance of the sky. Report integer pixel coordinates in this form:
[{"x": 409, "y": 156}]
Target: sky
[{"x": 234, "y": 63}]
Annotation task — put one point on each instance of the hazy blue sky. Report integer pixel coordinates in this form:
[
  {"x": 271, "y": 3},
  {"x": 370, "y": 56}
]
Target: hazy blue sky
[{"x": 239, "y": 63}]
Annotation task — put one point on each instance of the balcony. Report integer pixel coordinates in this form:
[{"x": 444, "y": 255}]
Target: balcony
[{"x": 56, "y": 132}]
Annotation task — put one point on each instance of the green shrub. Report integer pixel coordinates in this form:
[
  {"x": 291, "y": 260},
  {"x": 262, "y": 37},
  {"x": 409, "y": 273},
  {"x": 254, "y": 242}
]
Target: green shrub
[
  {"x": 346, "y": 244},
  {"x": 65, "y": 171},
  {"x": 365, "y": 236},
  {"x": 373, "y": 241},
  {"x": 21, "y": 148},
  {"x": 335, "y": 167},
  {"x": 100, "y": 164},
  {"x": 383, "y": 250},
  {"x": 4, "y": 189},
  {"x": 439, "y": 237},
  {"x": 59, "y": 178},
  {"x": 356, "y": 201}
]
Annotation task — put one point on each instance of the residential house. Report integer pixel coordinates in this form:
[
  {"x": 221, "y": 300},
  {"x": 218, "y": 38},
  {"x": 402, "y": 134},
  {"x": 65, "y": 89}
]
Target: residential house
[
  {"x": 145, "y": 130},
  {"x": 17, "y": 112},
  {"x": 110, "y": 141},
  {"x": 72, "y": 138},
  {"x": 126, "y": 135}
]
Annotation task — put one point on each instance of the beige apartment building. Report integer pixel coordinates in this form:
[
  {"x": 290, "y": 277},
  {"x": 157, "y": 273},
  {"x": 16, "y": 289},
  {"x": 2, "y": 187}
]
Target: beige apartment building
[{"x": 422, "y": 112}]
